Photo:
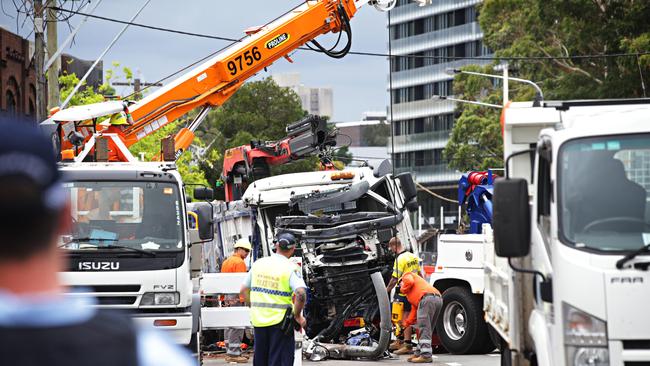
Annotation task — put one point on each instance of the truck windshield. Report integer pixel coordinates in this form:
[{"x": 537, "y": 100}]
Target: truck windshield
[
  {"x": 138, "y": 215},
  {"x": 604, "y": 185}
]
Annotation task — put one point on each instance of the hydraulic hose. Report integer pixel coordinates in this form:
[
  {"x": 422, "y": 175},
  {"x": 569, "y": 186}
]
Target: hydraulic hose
[{"x": 342, "y": 351}]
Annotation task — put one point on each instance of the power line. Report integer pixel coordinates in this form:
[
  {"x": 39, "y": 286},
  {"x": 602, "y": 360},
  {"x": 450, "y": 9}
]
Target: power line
[{"x": 365, "y": 53}]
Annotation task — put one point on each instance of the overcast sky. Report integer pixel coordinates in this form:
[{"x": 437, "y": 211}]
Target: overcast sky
[{"x": 359, "y": 82}]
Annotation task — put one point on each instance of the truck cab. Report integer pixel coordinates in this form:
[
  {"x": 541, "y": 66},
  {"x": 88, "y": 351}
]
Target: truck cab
[
  {"x": 571, "y": 269},
  {"x": 129, "y": 245}
]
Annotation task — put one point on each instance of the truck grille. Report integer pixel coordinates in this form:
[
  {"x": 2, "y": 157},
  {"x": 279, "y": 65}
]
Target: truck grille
[
  {"x": 116, "y": 300},
  {"x": 636, "y": 345},
  {"x": 105, "y": 288}
]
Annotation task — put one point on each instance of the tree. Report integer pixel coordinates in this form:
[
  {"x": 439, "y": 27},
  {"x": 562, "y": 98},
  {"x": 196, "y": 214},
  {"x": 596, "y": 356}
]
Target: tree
[
  {"x": 150, "y": 147},
  {"x": 553, "y": 30},
  {"x": 85, "y": 95},
  {"x": 258, "y": 111},
  {"x": 475, "y": 142},
  {"x": 376, "y": 135}
]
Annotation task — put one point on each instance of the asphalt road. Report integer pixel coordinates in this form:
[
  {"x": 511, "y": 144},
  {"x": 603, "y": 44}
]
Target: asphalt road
[{"x": 439, "y": 360}]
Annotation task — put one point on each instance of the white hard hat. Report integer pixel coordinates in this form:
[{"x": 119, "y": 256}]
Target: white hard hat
[{"x": 243, "y": 243}]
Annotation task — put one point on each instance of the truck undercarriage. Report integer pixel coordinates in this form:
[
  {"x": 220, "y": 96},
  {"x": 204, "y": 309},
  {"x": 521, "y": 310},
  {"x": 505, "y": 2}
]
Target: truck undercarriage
[{"x": 344, "y": 236}]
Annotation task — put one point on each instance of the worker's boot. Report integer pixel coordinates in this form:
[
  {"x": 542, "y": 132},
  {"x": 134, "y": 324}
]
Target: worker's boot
[
  {"x": 406, "y": 349},
  {"x": 236, "y": 359},
  {"x": 420, "y": 359},
  {"x": 397, "y": 344}
]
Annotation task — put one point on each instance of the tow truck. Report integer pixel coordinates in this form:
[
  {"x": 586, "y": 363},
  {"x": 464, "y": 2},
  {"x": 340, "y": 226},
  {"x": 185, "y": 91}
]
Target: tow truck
[
  {"x": 130, "y": 245},
  {"x": 459, "y": 271}
]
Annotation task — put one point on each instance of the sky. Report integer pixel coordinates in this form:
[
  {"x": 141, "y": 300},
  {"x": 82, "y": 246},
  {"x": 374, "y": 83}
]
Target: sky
[{"x": 358, "y": 82}]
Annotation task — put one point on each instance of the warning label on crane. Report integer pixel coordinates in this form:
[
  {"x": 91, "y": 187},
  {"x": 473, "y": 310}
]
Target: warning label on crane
[{"x": 277, "y": 40}]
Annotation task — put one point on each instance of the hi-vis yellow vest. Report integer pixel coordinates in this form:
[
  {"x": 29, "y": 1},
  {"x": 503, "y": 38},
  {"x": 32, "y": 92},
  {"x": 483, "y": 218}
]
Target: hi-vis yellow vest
[{"x": 270, "y": 291}]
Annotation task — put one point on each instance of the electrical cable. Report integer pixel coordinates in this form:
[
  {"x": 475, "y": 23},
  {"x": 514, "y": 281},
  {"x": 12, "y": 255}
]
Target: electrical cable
[
  {"x": 434, "y": 193},
  {"x": 380, "y": 54}
]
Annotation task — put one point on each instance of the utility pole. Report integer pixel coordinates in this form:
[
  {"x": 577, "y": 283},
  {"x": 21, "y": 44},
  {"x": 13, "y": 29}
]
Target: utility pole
[
  {"x": 137, "y": 86},
  {"x": 53, "y": 70},
  {"x": 39, "y": 60}
]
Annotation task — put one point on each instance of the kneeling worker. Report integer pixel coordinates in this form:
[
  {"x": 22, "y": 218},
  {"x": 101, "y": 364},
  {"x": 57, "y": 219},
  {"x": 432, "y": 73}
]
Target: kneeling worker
[
  {"x": 235, "y": 264},
  {"x": 426, "y": 302},
  {"x": 269, "y": 287}
]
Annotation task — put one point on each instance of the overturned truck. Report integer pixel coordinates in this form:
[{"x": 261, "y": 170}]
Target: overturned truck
[{"x": 344, "y": 220}]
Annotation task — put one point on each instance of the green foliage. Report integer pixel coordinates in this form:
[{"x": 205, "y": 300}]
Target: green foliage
[
  {"x": 376, "y": 135},
  {"x": 85, "y": 95},
  {"x": 572, "y": 27},
  {"x": 150, "y": 147},
  {"x": 546, "y": 28},
  {"x": 259, "y": 110}
]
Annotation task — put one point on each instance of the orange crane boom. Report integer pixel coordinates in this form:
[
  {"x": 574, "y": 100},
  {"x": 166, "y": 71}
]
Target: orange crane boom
[
  {"x": 217, "y": 79},
  {"x": 211, "y": 84}
]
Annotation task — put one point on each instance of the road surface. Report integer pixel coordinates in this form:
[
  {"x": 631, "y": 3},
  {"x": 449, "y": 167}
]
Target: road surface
[{"x": 439, "y": 360}]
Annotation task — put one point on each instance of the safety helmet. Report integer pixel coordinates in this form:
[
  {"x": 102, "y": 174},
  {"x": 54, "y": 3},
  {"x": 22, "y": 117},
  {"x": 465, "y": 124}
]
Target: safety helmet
[
  {"x": 118, "y": 119},
  {"x": 243, "y": 243},
  {"x": 286, "y": 241}
]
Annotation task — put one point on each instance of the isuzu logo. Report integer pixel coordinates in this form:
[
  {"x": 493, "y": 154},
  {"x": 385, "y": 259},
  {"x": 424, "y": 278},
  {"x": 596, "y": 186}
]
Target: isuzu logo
[
  {"x": 99, "y": 266},
  {"x": 626, "y": 280}
]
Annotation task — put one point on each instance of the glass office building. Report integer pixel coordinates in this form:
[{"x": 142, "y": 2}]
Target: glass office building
[{"x": 436, "y": 36}]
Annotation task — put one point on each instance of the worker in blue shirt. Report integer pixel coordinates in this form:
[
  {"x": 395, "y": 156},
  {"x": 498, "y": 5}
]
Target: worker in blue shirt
[{"x": 39, "y": 325}]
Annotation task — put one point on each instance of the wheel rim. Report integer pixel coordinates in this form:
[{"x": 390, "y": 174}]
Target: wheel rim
[{"x": 454, "y": 319}]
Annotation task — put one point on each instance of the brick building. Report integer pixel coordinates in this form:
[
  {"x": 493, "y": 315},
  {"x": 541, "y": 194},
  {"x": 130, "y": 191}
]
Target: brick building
[{"x": 17, "y": 78}]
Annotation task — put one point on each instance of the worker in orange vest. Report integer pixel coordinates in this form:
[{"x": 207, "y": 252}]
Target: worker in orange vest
[
  {"x": 426, "y": 303},
  {"x": 118, "y": 123},
  {"x": 235, "y": 263}
]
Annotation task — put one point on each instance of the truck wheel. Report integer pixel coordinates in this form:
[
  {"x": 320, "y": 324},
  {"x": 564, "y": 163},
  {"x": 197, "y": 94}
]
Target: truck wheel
[
  {"x": 195, "y": 346},
  {"x": 461, "y": 327}
]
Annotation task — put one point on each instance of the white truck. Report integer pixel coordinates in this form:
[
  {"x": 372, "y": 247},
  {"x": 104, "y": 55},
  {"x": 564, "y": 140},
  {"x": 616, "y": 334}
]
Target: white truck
[
  {"x": 130, "y": 242},
  {"x": 344, "y": 220},
  {"x": 460, "y": 276},
  {"x": 565, "y": 270}
]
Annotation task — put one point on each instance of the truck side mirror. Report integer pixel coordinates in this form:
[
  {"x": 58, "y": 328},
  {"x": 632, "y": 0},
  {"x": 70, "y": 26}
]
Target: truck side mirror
[
  {"x": 409, "y": 190},
  {"x": 204, "y": 220},
  {"x": 511, "y": 218},
  {"x": 203, "y": 193},
  {"x": 408, "y": 186}
]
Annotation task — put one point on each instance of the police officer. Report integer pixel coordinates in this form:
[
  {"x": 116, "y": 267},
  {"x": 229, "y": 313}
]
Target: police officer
[
  {"x": 39, "y": 325},
  {"x": 405, "y": 262},
  {"x": 269, "y": 287}
]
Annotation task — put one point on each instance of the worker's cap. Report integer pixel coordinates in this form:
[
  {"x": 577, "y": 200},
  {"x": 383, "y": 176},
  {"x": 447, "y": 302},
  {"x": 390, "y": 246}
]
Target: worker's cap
[
  {"x": 243, "y": 243},
  {"x": 25, "y": 153},
  {"x": 286, "y": 241},
  {"x": 118, "y": 119}
]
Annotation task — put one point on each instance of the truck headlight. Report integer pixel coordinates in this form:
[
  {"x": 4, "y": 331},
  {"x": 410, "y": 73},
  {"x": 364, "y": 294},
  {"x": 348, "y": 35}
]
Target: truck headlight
[
  {"x": 585, "y": 338},
  {"x": 160, "y": 298}
]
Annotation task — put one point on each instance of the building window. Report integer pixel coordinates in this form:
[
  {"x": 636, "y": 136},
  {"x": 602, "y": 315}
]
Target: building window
[{"x": 11, "y": 103}]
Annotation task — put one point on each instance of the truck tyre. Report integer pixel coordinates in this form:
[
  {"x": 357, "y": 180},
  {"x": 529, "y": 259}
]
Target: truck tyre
[
  {"x": 195, "y": 345},
  {"x": 461, "y": 327}
]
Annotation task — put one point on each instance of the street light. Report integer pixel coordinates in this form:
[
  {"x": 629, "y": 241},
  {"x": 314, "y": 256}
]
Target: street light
[
  {"x": 442, "y": 97},
  {"x": 539, "y": 95}
]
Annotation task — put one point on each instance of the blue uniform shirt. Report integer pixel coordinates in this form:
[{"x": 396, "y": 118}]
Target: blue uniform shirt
[{"x": 59, "y": 310}]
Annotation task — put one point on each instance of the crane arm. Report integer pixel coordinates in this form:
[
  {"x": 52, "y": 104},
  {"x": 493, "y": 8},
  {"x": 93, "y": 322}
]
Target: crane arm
[
  {"x": 216, "y": 80},
  {"x": 244, "y": 164}
]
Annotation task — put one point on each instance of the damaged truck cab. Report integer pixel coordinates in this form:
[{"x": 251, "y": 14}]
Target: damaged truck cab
[{"x": 344, "y": 220}]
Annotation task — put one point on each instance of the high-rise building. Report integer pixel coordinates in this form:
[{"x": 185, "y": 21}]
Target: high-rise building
[
  {"x": 318, "y": 101},
  {"x": 422, "y": 124}
]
